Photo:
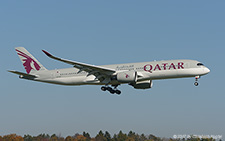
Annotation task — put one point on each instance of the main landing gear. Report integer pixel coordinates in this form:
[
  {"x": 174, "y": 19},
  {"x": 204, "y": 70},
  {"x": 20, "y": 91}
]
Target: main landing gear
[
  {"x": 196, "y": 80},
  {"x": 111, "y": 90}
]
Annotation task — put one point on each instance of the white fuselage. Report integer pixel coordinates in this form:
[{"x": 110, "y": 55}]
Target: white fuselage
[
  {"x": 138, "y": 75},
  {"x": 145, "y": 71}
]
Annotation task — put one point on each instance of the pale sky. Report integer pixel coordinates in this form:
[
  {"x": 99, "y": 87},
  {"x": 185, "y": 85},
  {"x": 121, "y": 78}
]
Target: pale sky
[{"x": 112, "y": 32}]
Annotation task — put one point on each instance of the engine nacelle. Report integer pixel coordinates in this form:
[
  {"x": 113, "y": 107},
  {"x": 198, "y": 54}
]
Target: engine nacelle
[
  {"x": 143, "y": 84},
  {"x": 127, "y": 77}
]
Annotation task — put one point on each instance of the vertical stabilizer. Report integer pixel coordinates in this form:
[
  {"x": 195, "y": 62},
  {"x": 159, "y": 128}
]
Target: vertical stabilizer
[{"x": 30, "y": 64}]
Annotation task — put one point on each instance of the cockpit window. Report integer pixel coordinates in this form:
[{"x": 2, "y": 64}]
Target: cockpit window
[{"x": 200, "y": 64}]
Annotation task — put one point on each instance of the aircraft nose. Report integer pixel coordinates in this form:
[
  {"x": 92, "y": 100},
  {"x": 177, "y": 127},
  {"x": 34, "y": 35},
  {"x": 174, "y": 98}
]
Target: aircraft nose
[{"x": 207, "y": 70}]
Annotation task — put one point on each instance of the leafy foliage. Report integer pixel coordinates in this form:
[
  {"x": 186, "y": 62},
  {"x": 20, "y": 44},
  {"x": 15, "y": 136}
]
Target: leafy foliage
[{"x": 131, "y": 136}]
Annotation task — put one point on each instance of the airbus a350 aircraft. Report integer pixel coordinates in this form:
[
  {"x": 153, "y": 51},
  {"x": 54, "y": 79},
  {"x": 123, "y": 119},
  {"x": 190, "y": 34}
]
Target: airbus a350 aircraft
[{"x": 138, "y": 75}]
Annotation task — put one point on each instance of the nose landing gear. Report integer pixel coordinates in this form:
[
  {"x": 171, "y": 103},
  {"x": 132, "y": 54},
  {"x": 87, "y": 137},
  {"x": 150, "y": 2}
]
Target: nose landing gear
[
  {"x": 196, "y": 83},
  {"x": 111, "y": 90},
  {"x": 196, "y": 80}
]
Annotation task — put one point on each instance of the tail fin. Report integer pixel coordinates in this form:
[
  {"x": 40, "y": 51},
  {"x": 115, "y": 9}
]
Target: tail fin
[{"x": 30, "y": 64}]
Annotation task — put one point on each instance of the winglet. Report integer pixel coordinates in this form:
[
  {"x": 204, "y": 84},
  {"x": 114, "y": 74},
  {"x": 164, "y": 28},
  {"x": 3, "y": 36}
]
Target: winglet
[{"x": 48, "y": 54}]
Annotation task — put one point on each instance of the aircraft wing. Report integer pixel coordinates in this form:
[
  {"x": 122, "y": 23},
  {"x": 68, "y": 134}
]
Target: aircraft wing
[{"x": 91, "y": 69}]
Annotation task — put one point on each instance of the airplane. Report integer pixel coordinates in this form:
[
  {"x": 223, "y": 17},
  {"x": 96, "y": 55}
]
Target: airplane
[{"x": 138, "y": 75}]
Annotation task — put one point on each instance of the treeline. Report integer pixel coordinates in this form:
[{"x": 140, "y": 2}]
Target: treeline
[{"x": 131, "y": 136}]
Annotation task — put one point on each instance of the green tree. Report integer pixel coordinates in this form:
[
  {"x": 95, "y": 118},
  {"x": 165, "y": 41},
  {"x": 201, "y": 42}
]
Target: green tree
[
  {"x": 152, "y": 137},
  {"x": 107, "y": 136},
  {"x": 142, "y": 137},
  {"x": 121, "y": 136},
  {"x": 87, "y": 136},
  {"x": 133, "y": 136},
  {"x": 28, "y": 138},
  {"x": 54, "y": 138},
  {"x": 114, "y": 137},
  {"x": 53, "y": 135},
  {"x": 100, "y": 136}
]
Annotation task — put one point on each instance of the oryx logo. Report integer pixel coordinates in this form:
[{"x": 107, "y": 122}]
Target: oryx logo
[
  {"x": 27, "y": 62},
  {"x": 127, "y": 76}
]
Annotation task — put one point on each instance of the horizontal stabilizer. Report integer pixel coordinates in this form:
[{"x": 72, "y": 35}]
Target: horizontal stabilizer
[{"x": 23, "y": 74}]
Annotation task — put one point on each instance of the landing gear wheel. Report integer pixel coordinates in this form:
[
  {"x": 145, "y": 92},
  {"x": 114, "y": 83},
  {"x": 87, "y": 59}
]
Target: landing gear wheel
[
  {"x": 112, "y": 91},
  {"x": 118, "y": 92},
  {"x": 196, "y": 83},
  {"x": 103, "y": 88},
  {"x": 109, "y": 89}
]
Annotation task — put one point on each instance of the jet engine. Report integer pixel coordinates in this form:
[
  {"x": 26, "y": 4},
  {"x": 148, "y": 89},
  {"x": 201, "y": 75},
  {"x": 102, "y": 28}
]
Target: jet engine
[
  {"x": 127, "y": 77},
  {"x": 143, "y": 84}
]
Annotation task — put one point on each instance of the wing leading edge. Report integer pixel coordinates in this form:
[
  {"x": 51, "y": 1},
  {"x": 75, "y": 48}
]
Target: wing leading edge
[{"x": 91, "y": 69}]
